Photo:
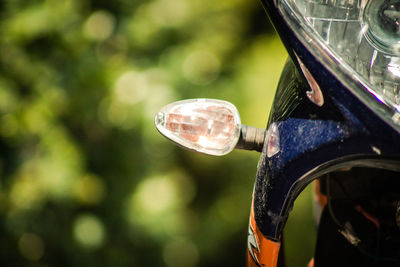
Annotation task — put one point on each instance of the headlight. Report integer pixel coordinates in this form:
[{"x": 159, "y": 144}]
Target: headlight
[{"x": 358, "y": 41}]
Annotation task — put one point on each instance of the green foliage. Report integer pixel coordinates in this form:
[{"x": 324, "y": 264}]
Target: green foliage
[{"x": 86, "y": 180}]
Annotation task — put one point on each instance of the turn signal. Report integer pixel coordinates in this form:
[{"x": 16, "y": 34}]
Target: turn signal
[{"x": 209, "y": 126}]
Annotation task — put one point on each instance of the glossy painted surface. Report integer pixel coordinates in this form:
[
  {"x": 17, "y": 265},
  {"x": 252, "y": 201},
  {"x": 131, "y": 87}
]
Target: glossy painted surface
[
  {"x": 261, "y": 250},
  {"x": 314, "y": 140}
]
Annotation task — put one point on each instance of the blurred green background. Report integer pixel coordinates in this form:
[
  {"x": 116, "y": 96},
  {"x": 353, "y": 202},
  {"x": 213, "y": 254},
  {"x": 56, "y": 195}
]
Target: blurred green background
[{"x": 86, "y": 180}]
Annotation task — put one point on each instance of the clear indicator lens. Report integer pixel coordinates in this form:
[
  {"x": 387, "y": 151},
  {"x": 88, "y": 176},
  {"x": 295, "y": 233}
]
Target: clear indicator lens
[{"x": 205, "y": 125}]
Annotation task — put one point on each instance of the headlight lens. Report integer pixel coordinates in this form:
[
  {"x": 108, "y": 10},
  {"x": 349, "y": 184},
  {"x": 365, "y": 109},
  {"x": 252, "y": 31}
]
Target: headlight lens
[{"x": 359, "y": 41}]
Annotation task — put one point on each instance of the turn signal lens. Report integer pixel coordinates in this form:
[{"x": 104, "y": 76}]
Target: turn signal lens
[{"x": 209, "y": 126}]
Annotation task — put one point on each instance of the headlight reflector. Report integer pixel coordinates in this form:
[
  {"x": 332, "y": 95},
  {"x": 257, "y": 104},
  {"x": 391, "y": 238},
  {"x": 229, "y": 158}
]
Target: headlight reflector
[{"x": 382, "y": 19}]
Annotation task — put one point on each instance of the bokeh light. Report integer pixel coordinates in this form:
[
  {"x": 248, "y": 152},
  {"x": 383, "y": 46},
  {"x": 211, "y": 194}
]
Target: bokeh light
[
  {"x": 89, "y": 189},
  {"x": 99, "y": 26},
  {"x": 201, "y": 67},
  {"x": 159, "y": 203},
  {"x": 170, "y": 13},
  {"x": 131, "y": 87},
  {"x": 89, "y": 231},
  {"x": 31, "y": 246}
]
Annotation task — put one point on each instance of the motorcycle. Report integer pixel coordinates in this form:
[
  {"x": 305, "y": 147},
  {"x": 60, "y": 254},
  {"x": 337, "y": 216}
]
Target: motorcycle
[{"x": 335, "y": 122}]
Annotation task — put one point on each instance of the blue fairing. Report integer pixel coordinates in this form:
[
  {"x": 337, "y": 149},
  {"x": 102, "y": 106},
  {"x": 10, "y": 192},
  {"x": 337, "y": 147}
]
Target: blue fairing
[{"x": 314, "y": 140}]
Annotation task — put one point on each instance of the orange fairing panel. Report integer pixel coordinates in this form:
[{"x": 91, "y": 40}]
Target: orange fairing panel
[
  {"x": 261, "y": 252},
  {"x": 318, "y": 196}
]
